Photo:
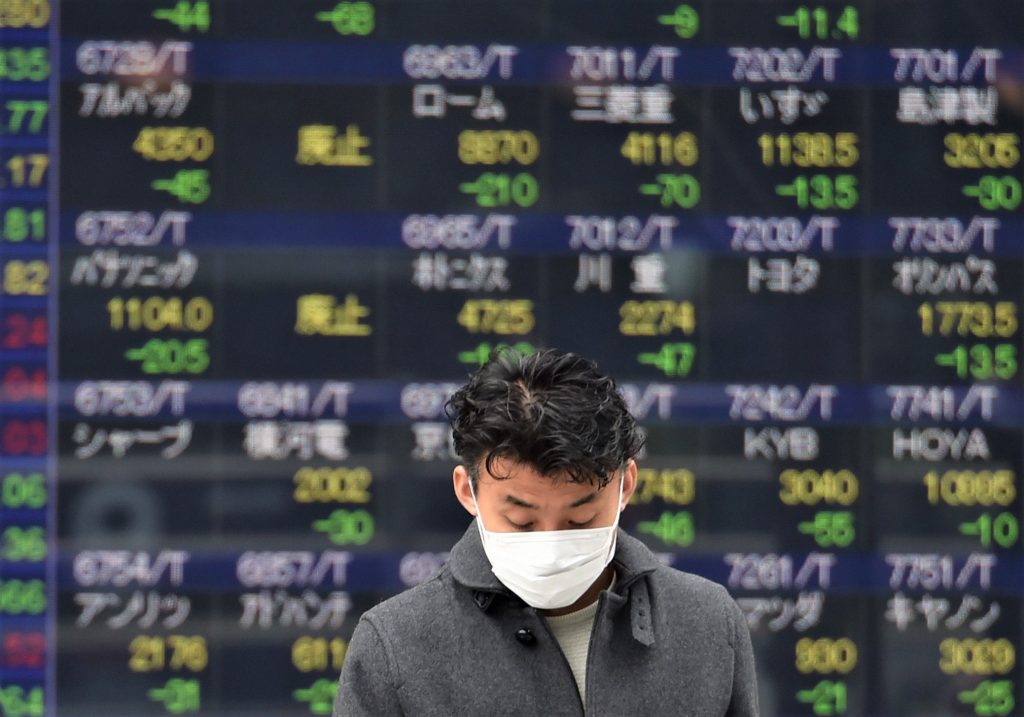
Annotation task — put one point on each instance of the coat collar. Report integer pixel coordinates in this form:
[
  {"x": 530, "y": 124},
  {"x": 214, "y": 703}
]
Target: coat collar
[{"x": 471, "y": 568}]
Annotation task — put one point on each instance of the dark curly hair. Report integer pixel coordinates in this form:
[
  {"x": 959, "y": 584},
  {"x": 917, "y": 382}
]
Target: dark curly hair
[{"x": 550, "y": 410}]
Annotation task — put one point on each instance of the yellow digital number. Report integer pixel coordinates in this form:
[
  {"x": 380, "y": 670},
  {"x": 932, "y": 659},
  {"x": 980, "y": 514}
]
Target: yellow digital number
[
  {"x": 24, "y": 13},
  {"x": 971, "y": 487},
  {"x": 825, "y": 655},
  {"x": 26, "y": 278},
  {"x": 313, "y": 654},
  {"x": 672, "y": 485},
  {"x": 969, "y": 318},
  {"x": 174, "y": 144},
  {"x": 976, "y": 657},
  {"x": 150, "y": 653},
  {"x": 156, "y": 313},
  {"x": 497, "y": 316},
  {"x": 656, "y": 317},
  {"x": 332, "y": 485},
  {"x": 809, "y": 149},
  {"x": 665, "y": 148},
  {"x": 809, "y": 487},
  {"x": 28, "y": 170},
  {"x": 992, "y": 150},
  {"x": 498, "y": 147}
]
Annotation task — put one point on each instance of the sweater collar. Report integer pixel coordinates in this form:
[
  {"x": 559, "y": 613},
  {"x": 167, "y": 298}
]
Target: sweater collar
[{"x": 470, "y": 567}]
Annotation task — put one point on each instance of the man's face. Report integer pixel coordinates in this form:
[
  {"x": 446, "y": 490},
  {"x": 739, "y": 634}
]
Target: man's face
[{"x": 527, "y": 501}]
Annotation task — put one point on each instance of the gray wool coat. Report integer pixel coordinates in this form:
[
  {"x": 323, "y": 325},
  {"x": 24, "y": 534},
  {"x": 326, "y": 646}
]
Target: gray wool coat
[{"x": 664, "y": 642}]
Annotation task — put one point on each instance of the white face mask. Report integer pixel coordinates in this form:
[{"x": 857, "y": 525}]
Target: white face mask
[{"x": 549, "y": 569}]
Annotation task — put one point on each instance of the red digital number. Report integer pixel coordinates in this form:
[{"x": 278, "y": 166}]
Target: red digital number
[
  {"x": 22, "y": 331},
  {"x": 23, "y": 438},
  {"x": 22, "y": 384},
  {"x": 26, "y": 650}
]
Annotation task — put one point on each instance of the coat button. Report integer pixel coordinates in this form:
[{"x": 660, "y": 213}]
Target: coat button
[{"x": 525, "y": 636}]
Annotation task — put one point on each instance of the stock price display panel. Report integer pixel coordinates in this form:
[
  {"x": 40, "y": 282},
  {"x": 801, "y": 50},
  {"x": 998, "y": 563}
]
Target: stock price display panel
[{"x": 249, "y": 248}]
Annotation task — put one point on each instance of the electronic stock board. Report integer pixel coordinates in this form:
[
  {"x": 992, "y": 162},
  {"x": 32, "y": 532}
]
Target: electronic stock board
[{"x": 249, "y": 248}]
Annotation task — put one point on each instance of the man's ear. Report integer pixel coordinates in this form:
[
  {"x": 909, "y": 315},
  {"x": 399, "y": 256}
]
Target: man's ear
[
  {"x": 463, "y": 491},
  {"x": 629, "y": 483}
]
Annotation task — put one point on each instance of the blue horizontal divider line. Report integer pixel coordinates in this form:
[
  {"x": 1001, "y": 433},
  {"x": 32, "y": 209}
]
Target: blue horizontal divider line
[
  {"x": 535, "y": 234},
  {"x": 706, "y": 403},
  {"x": 371, "y": 61}
]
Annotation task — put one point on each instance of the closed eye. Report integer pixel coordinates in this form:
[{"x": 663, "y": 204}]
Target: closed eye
[{"x": 584, "y": 524}]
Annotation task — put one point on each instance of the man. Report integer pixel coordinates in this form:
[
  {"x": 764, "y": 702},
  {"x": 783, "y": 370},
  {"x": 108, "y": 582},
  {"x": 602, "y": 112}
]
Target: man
[{"x": 545, "y": 607}]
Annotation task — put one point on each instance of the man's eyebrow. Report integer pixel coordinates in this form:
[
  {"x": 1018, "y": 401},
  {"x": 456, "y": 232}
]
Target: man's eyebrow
[
  {"x": 521, "y": 503},
  {"x": 584, "y": 500},
  {"x": 589, "y": 498}
]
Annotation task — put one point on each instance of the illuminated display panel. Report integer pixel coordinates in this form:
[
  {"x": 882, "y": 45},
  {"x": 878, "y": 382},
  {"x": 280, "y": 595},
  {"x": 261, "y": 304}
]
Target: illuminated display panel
[{"x": 249, "y": 248}]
